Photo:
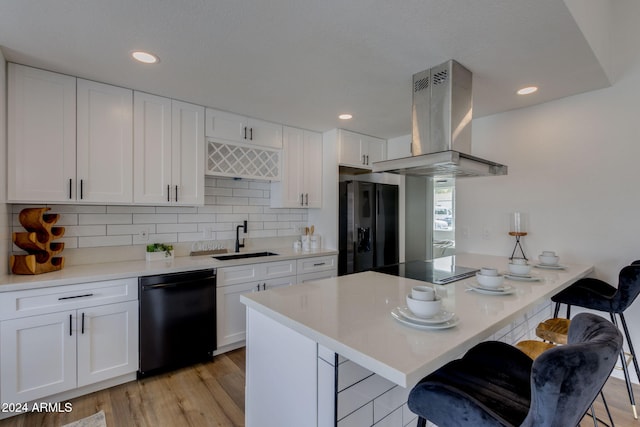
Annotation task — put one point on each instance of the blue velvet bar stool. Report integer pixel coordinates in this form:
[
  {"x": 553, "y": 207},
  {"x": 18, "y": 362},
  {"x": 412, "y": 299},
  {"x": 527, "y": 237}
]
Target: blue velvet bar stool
[
  {"x": 495, "y": 384},
  {"x": 595, "y": 294}
]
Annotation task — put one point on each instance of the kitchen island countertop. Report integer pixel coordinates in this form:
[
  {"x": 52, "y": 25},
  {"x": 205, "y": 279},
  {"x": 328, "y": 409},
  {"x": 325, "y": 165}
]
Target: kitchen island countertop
[{"x": 351, "y": 315}]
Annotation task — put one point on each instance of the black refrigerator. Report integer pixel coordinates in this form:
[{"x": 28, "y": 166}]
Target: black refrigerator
[{"x": 368, "y": 229}]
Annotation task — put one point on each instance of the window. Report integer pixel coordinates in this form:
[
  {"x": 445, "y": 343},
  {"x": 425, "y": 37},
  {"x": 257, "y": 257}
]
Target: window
[{"x": 443, "y": 217}]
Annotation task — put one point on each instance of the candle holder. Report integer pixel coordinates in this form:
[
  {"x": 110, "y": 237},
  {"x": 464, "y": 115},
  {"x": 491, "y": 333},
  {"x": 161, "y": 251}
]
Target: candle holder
[
  {"x": 517, "y": 229},
  {"x": 518, "y": 235}
]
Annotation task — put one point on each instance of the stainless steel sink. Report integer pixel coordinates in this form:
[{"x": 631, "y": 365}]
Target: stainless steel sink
[{"x": 243, "y": 255}]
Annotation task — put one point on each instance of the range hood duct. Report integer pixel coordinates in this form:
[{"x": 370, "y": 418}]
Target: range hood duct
[{"x": 441, "y": 131}]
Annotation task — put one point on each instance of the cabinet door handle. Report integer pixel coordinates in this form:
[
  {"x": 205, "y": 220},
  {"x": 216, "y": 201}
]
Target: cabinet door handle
[
  {"x": 258, "y": 287},
  {"x": 70, "y": 188},
  {"x": 176, "y": 193},
  {"x": 245, "y": 132},
  {"x": 307, "y": 199},
  {"x": 70, "y": 330},
  {"x": 264, "y": 286},
  {"x": 301, "y": 199},
  {"x": 363, "y": 160},
  {"x": 367, "y": 160},
  {"x": 75, "y": 296},
  {"x": 82, "y": 328},
  {"x": 318, "y": 264},
  {"x": 81, "y": 189},
  {"x": 168, "y": 193},
  {"x": 251, "y": 134}
]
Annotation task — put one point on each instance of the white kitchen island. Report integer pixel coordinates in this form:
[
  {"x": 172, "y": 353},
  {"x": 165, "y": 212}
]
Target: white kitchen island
[{"x": 329, "y": 352}]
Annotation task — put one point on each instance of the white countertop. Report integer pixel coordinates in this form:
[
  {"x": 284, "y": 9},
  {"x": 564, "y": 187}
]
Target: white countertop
[
  {"x": 119, "y": 270},
  {"x": 350, "y": 315}
]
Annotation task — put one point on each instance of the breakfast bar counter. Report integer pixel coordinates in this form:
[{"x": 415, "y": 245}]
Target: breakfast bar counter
[{"x": 292, "y": 331}]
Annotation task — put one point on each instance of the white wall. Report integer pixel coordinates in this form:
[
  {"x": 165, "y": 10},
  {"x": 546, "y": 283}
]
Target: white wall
[{"x": 574, "y": 169}]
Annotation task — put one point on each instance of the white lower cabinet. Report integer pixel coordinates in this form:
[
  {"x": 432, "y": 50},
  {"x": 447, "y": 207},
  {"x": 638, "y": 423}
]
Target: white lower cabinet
[
  {"x": 316, "y": 268},
  {"x": 108, "y": 347},
  {"x": 230, "y": 313},
  {"x": 87, "y": 336},
  {"x": 37, "y": 357},
  {"x": 235, "y": 281}
]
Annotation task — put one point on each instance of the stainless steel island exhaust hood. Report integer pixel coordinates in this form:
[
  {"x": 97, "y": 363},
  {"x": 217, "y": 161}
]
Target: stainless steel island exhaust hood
[{"x": 441, "y": 134}]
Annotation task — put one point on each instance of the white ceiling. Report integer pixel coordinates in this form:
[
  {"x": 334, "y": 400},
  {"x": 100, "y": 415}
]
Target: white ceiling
[{"x": 302, "y": 62}]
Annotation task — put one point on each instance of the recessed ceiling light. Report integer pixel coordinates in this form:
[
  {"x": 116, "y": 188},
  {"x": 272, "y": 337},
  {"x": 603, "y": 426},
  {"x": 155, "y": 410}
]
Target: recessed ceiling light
[
  {"x": 527, "y": 90},
  {"x": 145, "y": 57},
  {"x": 345, "y": 116}
]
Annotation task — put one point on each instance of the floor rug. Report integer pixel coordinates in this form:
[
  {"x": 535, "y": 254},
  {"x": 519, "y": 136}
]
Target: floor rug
[{"x": 95, "y": 420}]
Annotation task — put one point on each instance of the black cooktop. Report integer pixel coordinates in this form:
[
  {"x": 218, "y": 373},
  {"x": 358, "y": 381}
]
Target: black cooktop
[{"x": 439, "y": 271}]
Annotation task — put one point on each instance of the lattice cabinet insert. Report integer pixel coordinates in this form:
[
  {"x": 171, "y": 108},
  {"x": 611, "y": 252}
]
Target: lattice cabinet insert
[
  {"x": 38, "y": 242},
  {"x": 224, "y": 159}
]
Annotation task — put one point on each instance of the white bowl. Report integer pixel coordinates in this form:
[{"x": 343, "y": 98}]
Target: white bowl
[
  {"x": 424, "y": 308},
  {"x": 520, "y": 269},
  {"x": 424, "y": 293},
  {"x": 489, "y": 271},
  {"x": 548, "y": 260},
  {"x": 489, "y": 281}
]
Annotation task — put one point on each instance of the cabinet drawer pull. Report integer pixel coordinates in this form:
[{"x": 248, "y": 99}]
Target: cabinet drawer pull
[
  {"x": 318, "y": 264},
  {"x": 75, "y": 296}
]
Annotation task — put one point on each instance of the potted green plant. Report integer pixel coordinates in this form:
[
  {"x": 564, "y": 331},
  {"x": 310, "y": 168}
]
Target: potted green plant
[{"x": 158, "y": 251}]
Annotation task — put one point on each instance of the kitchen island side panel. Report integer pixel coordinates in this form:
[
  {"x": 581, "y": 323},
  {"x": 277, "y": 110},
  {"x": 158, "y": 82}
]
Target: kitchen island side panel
[{"x": 281, "y": 375}]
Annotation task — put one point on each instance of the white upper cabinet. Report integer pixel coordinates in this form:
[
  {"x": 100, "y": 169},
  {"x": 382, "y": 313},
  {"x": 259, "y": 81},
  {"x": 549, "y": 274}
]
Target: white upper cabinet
[
  {"x": 104, "y": 143},
  {"x": 152, "y": 148},
  {"x": 168, "y": 151},
  {"x": 42, "y": 135},
  {"x": 301, "y": 183},
  {"x": 187, "y": 159},
  {"x": 223, "y": 126},
  {"x": 359, "y": 150},
  {"x": 70, "y": 140},
  {"x": 399, "y": 147}
]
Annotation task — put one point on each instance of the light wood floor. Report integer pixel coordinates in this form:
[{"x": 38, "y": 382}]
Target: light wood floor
[
  {"x": 212, "y": 394},
  {"x": 209, "y": 394}
]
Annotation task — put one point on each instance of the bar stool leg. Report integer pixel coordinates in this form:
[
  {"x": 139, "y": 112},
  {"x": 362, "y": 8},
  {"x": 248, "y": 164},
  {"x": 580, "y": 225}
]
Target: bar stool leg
[
  {"x": 633, "y": 352},
  {"x": 606, "y": 407},
  {"x": 593, "y": 415},
  {"x": 625, "y": 369},
  {"x": 556, "y": 310}
]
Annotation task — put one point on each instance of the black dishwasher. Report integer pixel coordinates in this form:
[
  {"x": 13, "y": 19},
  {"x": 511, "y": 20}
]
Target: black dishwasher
[{"x": 177, "y": 320}]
